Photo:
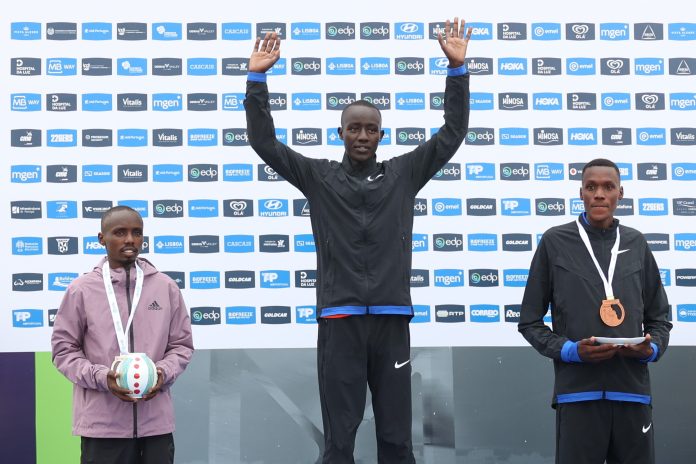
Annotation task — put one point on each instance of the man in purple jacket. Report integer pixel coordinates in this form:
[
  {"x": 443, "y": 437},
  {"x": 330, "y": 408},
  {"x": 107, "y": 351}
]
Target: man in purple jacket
[{"x": 114, "y": 427}]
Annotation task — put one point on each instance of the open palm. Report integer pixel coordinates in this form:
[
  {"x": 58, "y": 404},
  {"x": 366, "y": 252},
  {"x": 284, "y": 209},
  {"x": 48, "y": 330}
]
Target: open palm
[
  {"x": 265, "y": 54},
  {"x": 454, "y": 42}
]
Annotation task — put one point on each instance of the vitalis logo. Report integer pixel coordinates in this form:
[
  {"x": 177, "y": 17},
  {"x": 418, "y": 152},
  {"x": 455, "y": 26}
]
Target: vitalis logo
[
  {"x": 683, "y": 136},
  {"x": 132, "y": 172},
  {"x": 167, "y": 137},
  {"x": 131, "y": 102},
  {"x": 420, "y": 278},
  {"x": 238, "y": 208},
  {"x": 306, "y": 136}
]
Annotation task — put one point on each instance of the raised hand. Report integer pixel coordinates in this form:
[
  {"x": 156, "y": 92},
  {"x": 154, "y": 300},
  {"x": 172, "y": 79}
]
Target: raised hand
[
  {"x": 265, "y": 54},
  {"x": 454, "y": 42}
]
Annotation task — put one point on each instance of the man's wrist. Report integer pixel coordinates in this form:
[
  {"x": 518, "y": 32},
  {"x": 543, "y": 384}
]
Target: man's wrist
[
  {"x": 458, "y": 71},
  {"x": 256, "y": 76}
]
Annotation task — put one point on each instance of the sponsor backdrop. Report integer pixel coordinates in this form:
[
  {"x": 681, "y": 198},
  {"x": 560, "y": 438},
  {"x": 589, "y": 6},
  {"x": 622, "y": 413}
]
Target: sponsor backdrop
[{"x": 142, "y": 106}]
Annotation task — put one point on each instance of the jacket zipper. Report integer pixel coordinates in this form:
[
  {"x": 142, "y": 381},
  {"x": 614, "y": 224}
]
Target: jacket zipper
[
  {"x": 132, "y": 348},
  {"x": 363, "y": 215}
]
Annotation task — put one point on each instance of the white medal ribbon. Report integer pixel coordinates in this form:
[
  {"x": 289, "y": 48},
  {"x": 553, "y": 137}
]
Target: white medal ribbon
[
  {"x": 113, "y": 305},
  {"x": 612, "y": 262}
]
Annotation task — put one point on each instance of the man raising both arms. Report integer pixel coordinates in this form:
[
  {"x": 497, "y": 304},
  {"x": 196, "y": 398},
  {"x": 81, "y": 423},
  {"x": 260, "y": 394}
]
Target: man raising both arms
[{"x": 362, "y": 218}]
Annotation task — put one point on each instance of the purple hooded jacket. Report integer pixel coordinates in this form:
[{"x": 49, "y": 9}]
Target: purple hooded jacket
[{"x": 84, "y": 346}]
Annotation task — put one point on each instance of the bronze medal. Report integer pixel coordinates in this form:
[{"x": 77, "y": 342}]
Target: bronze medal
[{"x": 612, "y": 312}]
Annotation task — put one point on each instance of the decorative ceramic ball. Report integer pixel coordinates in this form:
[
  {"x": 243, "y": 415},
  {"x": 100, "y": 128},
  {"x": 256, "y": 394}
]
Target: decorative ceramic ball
[{"x": 135, "y": 372}]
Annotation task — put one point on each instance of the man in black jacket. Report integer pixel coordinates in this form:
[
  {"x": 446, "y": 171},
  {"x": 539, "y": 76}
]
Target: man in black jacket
[
  {"x": 362, "y": 218},
  {"x": 609, "y": 312}
]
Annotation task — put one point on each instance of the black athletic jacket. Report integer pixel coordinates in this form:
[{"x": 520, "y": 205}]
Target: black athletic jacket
[
  {"x": 562, "y": 274},
  {"x": 362, "y": 220}
]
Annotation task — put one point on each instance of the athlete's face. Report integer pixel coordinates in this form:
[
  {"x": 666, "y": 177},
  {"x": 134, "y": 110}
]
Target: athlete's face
[
  {"x": 600, "y": 192},
  {"x": 122, "y": 235},
  {"x": 361, "y": 131}
]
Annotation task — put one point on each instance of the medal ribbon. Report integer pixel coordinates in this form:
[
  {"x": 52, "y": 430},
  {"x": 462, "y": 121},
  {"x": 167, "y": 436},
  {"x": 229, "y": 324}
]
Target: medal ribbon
[
  {"x": 113, "y": 305},
  {"x": 612, "y": 262}
]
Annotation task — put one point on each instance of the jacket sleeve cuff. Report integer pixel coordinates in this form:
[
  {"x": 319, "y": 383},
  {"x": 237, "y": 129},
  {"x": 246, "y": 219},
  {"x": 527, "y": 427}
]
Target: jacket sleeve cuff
[
  {"x": 460, "y": 71},
  {"x": 256, "y": 77},
  {"x": 656, "y": 353},
  {"x": 569, "y": 352},
  {"x": 100, "y": 377}
]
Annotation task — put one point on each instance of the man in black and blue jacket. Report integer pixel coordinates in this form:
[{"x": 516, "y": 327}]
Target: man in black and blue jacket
[
  {"x": 362, "y": 219},
  {"x": 609, "y": 314}
]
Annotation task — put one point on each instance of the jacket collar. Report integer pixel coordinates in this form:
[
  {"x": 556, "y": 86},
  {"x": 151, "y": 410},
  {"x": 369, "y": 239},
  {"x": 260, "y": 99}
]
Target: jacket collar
[
  {"x": 596, "y": 231},
  {"x": 361, "y": 170}
]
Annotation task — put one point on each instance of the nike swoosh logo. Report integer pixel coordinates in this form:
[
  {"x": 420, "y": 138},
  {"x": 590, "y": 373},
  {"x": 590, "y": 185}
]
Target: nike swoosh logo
[
  {"x": 645, "y": 429},
  {"x": 371, "y": 179},
  {"x": 398, "y": 365},
  {"x": 622, "y": 251}
]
